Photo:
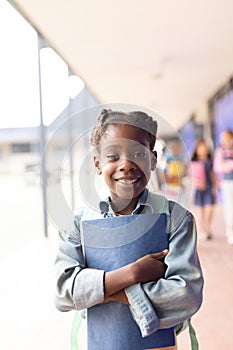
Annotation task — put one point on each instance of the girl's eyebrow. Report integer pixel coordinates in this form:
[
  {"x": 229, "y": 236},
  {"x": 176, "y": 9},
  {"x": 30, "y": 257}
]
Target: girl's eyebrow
[
  {"x": 112, "y": 146},
  {"x": 120, "y": 146}
]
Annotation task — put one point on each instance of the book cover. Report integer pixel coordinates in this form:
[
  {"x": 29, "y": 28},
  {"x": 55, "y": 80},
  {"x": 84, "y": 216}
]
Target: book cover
[
  {"x": 198, "y": 174},
  {"x": 110, "y": 244}
]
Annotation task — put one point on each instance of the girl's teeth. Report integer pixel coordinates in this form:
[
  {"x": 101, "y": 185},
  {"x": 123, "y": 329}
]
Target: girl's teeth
[{"x": 126, "y": 181}]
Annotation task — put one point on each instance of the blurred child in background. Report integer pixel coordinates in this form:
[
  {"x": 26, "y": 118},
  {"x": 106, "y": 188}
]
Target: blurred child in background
[
  {"x": 223, "y": 165},
  {"x": 204, "y": 187},
  {"x": 172, "y": 171}
]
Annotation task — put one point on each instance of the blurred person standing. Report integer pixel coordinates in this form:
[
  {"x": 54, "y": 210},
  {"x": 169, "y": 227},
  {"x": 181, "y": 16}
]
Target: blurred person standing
[
  {"x": 204, "y": 183},
  {"x": 172, "y": 171},
  {"x": 223, "y": 165}
]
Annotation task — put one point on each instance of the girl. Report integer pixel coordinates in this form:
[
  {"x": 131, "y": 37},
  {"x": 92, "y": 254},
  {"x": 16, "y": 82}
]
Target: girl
[
  {"x": 223, "y": 165},
  {"x": 161, "y": 290},
  {"x": 204, "y": 187}
]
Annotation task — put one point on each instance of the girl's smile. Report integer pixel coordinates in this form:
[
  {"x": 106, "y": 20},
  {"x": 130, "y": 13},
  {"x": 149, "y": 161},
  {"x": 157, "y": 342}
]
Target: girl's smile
[
  {"x": 125, "y": 161},
  {"x": 127, "y": 181}
]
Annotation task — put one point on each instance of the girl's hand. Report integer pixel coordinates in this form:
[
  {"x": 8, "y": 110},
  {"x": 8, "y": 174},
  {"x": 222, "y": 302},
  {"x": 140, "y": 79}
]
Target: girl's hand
[
  {"x": 199, "y": 185},
  {"x": 150, "y": 267}
]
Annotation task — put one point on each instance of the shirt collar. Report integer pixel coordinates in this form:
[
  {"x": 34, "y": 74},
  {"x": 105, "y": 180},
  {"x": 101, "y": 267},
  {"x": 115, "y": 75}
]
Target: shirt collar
[{"x": 142, "y": 201}]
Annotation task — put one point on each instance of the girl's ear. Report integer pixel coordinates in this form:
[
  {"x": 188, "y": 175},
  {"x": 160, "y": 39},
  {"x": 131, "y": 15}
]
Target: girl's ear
[
  {"x": 153, "y": 160},
  {"x": 97, "y": 165}
]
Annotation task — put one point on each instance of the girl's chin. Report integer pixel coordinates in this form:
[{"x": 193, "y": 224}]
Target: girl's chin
[{"x": 126, "y": 195}]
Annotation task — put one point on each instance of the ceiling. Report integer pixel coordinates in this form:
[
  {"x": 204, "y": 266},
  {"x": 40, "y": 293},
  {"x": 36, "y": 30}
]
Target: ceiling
[{"x": 166, "y": 55}]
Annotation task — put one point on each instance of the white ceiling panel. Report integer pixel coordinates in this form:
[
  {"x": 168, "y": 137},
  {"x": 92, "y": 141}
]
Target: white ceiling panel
[{"x": 165, "y": 55}]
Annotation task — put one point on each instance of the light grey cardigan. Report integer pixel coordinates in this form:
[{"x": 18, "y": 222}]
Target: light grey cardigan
[{"x": 162, "y": 304}]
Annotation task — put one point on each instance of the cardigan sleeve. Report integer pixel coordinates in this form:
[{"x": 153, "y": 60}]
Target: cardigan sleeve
[
  {"x": 176, "y": 297},
  {"x": 76, "y": 287}
]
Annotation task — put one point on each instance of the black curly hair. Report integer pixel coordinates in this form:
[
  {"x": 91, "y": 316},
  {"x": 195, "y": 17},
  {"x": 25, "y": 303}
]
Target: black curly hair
[{"x": 138, "y": 119}]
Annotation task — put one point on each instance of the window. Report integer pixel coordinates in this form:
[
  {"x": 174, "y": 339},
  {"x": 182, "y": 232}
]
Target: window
[{"x": 24, "y": 147}]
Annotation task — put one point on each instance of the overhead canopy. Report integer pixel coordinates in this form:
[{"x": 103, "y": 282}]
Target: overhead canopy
[{"x": 165, "y": 55}]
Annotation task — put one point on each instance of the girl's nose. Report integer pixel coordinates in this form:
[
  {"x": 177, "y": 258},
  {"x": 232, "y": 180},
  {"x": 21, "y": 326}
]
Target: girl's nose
[{"x": 126, "y": 165}]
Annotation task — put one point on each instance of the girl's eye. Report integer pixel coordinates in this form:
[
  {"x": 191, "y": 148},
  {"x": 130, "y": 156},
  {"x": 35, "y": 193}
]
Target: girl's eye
[
  {"x": 112, "y": 156},
  {"x": 139, "y": 154}
]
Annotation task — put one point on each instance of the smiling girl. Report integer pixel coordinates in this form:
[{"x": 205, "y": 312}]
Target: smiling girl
[{"x": 163, "y": 289}]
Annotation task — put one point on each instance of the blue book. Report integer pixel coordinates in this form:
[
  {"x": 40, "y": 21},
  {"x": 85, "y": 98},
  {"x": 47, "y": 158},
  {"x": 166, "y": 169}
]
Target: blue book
[{"x": 109, "y": 244}]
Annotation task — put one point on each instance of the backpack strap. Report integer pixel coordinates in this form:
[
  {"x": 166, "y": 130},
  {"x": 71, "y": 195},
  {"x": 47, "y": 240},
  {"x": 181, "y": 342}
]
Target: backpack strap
[
  {"x": 193, "y": 336},
  {"x": 159, "y": 203}
]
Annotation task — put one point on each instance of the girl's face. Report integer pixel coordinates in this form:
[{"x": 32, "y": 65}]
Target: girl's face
[
  {"x": 125, "y": 161},
  {"x": 226, "y": 140},
  {"x": 202, "y": 150}
]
